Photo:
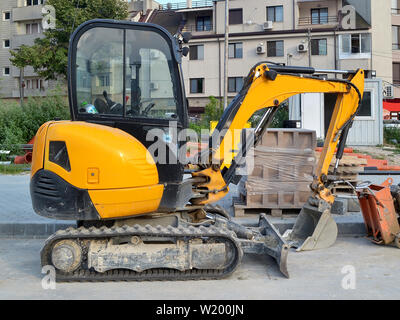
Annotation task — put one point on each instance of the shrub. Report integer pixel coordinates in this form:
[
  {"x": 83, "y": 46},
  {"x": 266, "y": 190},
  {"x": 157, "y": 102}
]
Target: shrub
[
  {"x": 212, "y": 112},
  {"x": 19, "y": 124},
  {"x": 391, "y": 134}
]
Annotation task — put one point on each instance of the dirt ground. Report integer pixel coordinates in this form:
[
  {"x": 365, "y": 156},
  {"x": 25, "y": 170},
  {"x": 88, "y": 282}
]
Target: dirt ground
[{"x": 383, "y": 152}]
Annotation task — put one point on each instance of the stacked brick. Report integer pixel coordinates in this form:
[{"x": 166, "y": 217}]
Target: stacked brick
[{"x": 348, "y": 169}]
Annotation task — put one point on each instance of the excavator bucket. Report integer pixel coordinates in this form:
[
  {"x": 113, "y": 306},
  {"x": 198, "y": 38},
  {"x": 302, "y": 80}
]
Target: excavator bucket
[{"x": 314, "y": 229}]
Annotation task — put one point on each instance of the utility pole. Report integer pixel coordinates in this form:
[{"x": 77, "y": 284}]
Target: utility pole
[
  {"x": 21, "y": 85},
  {"x": 309, "y": 47},
  {"x": 226, "y": 54}
]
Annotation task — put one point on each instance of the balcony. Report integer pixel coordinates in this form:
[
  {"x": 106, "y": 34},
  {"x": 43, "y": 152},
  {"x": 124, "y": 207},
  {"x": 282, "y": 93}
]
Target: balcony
[
  {"x": 327, "y": 20},
  {"x": 395, "y": 11},
  {"x": 196, "y": 28},
  {"x": 27, "y": 13},
  {"x": 29, "y": 93},
  {"x": 185, "y": 5},
  {"x": 26, "y": 39}
]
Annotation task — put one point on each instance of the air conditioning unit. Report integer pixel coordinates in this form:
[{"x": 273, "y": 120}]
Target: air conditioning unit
[
  {"x": 302, "y": 47},
  {"x": 260, "y": 48},
  {"x": 154, "y": 86},
  {"x": 388, "y": 92},
  {"x": 268, "y": 25}
]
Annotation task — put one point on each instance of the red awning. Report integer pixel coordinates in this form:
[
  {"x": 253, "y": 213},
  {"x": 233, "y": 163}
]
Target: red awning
[{"x": 391, "y": 106}]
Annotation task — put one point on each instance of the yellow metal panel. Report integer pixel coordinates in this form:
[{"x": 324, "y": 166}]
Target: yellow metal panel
[
  {"x": 121, "y": 161},
  {"x": 234, "y": 141},
  {"x": 38, "y": 149},
  {"x": 119, "y": 203}
]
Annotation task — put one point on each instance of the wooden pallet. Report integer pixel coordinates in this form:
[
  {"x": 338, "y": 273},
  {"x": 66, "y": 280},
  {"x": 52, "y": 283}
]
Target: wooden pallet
[
  {"x": 243, "y": 210},
  {"x": 344, "y": 188}
]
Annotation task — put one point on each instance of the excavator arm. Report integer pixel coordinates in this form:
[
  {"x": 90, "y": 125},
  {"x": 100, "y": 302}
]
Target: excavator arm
[{"x": 266, "y": 87}]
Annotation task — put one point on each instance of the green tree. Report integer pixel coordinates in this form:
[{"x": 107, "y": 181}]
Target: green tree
[{"x": 49, "y": 55}]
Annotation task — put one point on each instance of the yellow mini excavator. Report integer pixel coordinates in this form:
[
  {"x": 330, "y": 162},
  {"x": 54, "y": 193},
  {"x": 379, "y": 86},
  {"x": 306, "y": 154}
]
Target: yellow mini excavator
[{"x": 141, "y": 218}]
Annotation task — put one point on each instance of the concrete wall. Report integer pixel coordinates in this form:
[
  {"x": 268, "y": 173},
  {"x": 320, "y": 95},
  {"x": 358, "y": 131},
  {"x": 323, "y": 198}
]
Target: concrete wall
[
  {"x": 254, "y": 16},
  {"x": 254, "y": 11}
]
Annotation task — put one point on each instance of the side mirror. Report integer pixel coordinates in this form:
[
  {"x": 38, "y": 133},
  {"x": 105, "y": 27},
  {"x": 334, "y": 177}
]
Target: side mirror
[
  {"x": 186, "y": 37},
  {"x": 185, "y": 51}
]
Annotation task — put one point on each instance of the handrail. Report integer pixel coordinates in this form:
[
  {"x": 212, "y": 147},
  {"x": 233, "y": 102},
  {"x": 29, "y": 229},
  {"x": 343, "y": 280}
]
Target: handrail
[{"x": 183, "y": 5}]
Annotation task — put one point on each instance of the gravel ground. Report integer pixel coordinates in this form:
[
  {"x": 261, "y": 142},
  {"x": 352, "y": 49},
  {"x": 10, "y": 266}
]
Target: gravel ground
[{"x": 379, "y": 153}]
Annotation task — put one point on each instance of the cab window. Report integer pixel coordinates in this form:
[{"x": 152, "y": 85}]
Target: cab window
[{"x": 125, "y": 73}]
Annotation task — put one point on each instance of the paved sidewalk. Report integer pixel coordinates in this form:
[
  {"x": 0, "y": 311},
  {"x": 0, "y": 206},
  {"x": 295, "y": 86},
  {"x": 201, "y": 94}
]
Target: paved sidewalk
[
  {"x": 313, "y": 275},
  {"x": 16, "y": 213}
]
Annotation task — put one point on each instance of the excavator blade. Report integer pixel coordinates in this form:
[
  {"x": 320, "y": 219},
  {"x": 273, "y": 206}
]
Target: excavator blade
[
  {"x": 274, "y": 244},
  {"x": 314, "y": 229}
]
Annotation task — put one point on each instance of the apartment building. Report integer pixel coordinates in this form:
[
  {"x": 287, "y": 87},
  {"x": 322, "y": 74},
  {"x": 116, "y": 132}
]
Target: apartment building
[
  {"x": 322, "y": 34},
  {"x": 299, "y": 32},
  {"x": 396, "y": 46},
  {"x": 20, "y": 23}
]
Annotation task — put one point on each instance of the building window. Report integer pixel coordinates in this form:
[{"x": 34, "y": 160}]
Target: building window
[
  {"x": 6, "y": 43},
  {"x": 275, "y": 48},
  {"x": 235, "y": 84},
  {"x": 366, "y": 106},
  {"x": 34, "y": 2},
  {"x": 203, "y": 23},
  {"x": 6, "y": 15},
  {"x": 6, "y": 71},
  {"x": 236, "y": 16},
  {"x": 396, "y": 37},
  {"x": 395, "y": 6},
  {"x": 197, "y": 85},
  {"x": 33, "y": 28},
  {"x": 355, "y": 46},
  {"x": 396, "y": 73},
  {"x": 319, "y": 16},
  {"x": 235, "y": 50},
  {"x": 34, "y": 84},
  {"x": 319, "y": 47},
  {"x": 104, "y": 80},
  {"x": 196, "y": 52},
  {"x": 275, "y": 14}
]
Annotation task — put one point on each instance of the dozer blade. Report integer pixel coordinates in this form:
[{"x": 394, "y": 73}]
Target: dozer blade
[
  {"x": 274, "y": 244},
  {"x": 314, "y": 229}
]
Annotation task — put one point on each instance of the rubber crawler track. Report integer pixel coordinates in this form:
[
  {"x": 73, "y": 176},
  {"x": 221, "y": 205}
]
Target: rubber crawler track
[{"x": 93, "y": 233}]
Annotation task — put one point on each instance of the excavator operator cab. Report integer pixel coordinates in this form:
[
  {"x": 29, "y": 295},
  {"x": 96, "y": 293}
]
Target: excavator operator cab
[
  {"x": 127, "y": 75},
  {"x": 126, "y": 71}
]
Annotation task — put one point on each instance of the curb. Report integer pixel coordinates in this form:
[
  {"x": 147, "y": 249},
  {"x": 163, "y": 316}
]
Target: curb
[
  {"x": 348, "y": 225},
  {"x": 31, "y": 230},
  {"x": 352, "y": 225}
]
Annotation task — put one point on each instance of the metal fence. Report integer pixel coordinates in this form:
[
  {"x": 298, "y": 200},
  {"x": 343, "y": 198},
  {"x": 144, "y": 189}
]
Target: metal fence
[
  {"x": 197, "y": 28},
  {"x": 304, "y": 21},
  {"x": 183, "y": 5}
]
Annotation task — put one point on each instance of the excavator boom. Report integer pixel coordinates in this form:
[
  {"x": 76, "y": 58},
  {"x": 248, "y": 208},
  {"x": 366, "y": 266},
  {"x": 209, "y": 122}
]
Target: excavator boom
[{"x": 266, "y": 87}]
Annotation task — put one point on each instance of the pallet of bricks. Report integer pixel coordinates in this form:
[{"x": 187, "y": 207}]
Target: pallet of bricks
[
  {"x": 349, "y": 168},
  {"x": 284, "y": 163}
]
